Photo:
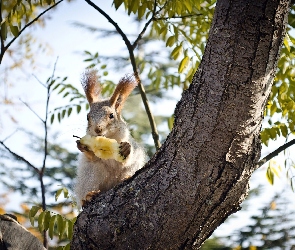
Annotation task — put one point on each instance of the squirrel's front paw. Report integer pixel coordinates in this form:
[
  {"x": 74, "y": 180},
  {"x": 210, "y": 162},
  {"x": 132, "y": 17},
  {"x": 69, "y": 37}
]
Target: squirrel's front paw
[
  {"x": 89, "y": 197},
  {"x": 82, "y": 147},
  {"x": 125, "y": 148}
]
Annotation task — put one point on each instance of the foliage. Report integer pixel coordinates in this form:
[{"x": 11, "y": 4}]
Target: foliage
[
  {"x": 179, "y": 29},
  {"x": 280, "y": 109},
  {"x": 57, "y": 225},
  {"x": 273, "y": 228},
  {"x": 214, "y": 243}
]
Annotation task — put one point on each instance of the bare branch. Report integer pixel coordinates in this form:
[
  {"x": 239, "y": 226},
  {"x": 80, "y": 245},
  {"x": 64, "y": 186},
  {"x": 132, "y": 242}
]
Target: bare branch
[
  {"x": 130, "y": 48},
  {"x": 145, "y": 26},
  {"x": 18, "y": 157},
  {"x": 4, "y": 48},
  {"x": 1, "y": 38},
  {"x": 46, "y": 119},
  {"x": 27, "y": 105},
  {"x": 39, "y": 81},
  {"x": 148, "y": 23},
  {"x": 10, "y": 135},
  {"x": 275, "y": 153}
]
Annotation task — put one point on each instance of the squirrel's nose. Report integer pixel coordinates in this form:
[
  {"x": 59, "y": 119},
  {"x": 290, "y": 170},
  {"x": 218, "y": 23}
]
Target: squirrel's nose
[{"x": 98, "y": 130}]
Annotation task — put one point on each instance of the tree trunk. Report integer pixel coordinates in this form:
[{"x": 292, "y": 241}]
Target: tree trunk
[{"x": 200, "y": 175}]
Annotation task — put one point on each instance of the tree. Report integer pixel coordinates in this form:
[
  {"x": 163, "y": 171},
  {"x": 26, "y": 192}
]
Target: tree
[
  {"x": 199, "y": 162},
  {"x": 200, "y": 175},
  {"x": 273, "y": 228}
]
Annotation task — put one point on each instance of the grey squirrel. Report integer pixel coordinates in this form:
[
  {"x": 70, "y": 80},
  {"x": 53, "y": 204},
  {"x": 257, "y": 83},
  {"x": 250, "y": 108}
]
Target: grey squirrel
[{"x": 96, "y": 175}]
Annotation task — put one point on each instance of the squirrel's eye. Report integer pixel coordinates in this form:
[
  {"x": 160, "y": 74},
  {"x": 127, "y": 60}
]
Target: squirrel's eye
[
  {"x": 87, "y": 117},
  {"x": 111, "y": 115}
]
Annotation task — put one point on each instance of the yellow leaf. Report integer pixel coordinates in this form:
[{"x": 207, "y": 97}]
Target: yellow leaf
[
  {"x": 183, "y": 64},
  {"x": 287, "y": 42}
]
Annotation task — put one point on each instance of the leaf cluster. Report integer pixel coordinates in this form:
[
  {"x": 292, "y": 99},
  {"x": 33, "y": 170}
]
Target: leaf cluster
[{"x": 57, "y": 225}]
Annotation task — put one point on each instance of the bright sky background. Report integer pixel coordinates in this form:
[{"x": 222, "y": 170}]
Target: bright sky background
[{"x": 67, "y": 43}]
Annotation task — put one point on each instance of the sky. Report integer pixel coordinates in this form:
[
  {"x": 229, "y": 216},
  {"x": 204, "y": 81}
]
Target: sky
[{"x": 67, "y": 43}]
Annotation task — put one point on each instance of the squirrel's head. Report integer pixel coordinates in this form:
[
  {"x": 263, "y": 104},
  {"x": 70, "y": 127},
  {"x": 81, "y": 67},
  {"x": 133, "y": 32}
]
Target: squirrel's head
[{"x": 104, "y": 117}]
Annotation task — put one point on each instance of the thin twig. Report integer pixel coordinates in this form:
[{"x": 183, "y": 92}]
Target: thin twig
[
  {"x": 275, "y": 153},
  {"x": 10, "y": 135},
  {"x": 39, "y": 81},
  {"x": 20, "y": 158},
  {"x": 148, "y": 23},
  {"x": 27, "y": 105},
  {"x": 1, "y": 38},
  {"x": 22, "y": 30},
  {"x": 41, "y": 175},
  {"x": 130, "y": 48},
  {"x": 145, "y": 26}
]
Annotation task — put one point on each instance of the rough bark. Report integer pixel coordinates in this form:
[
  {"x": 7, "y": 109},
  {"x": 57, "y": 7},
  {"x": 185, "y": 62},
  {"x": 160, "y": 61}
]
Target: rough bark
[
  {"x": 13, "y": 236},
  {"x": 200, "y": 175}
]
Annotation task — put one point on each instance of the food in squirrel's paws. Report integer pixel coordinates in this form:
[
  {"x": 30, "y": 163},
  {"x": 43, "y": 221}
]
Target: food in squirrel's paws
[{"x": 103, "y": 147}]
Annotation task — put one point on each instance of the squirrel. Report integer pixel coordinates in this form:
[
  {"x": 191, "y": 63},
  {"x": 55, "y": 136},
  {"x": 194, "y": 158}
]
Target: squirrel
[{"x": 95, "y": 175}]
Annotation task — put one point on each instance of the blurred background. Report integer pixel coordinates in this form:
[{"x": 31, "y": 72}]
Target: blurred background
[{"x": 42, "y": 105}]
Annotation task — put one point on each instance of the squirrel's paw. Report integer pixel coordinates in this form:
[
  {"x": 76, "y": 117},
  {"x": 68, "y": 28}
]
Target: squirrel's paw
[
  {"x": 89, "y": 197},
  {"x": 82, "y": 147},
  {"x": 125, "y": 148}
]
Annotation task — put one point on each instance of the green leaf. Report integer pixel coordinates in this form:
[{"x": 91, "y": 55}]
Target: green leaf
[
  {"x": 78, "y": 109},
  {"x": 197, "y": 4},
  {"x": 284, "y": 130},
  {"x": 287, "y": 42},
  {"x": 59, "y": 227},
  {"x": 188, "y": 5},
  {"x": 58, "y": 117},
  {"x": 65, "y": 227},
  {"x": 117, "y": 3},
  {"x": 4, "y": 31},
  {"x": 270, "y": 175},
  {"x": 66, "y": 192},
  {"x": 51, "y": 226},
  {"x": 273, "y": 108},
  {"x": 58, "y": 193},
  {"x": 63, "y": 113},
  {"x": 56, "y": 86},
  {"x": 46, "y": 220},
  {"x": 176, "y": 52},
  {"x": 70, "y": 229},
  {"x": 14, "y": 30},
  {"x": 170, "y": 41},
  {"x": 61, "y": 90},
  {"x": 32, "y": 214},
  {"x": 52, "y": 118},
  {"x": 264, "y": 137},
  {"x": 170, "y": 122},
  {"x": 41, "y": 221},
  {"x": 141, "y": 11},
  {"x": 183, "y": 64},
  {"x": 69, "y": 111},
  {"x": 273, "y": 133}
]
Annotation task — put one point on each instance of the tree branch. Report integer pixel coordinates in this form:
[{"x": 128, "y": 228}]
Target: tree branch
[
  {"x": 145, "y": 27},
  {"x": 27, "y": 105},
  {"x": 130, "y": 48},
  {"x": 4, "y": 48},
  {"x": 1, "y": 38},
  {"x": 20, "y": 158},
  {"x": 275, "y": 153}
]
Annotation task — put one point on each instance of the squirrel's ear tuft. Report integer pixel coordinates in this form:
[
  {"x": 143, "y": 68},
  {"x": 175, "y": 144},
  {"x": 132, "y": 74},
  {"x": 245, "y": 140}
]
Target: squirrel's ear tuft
[
  {"x": 122, "y": 91},
  {"x": 91, "y": 85}
]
